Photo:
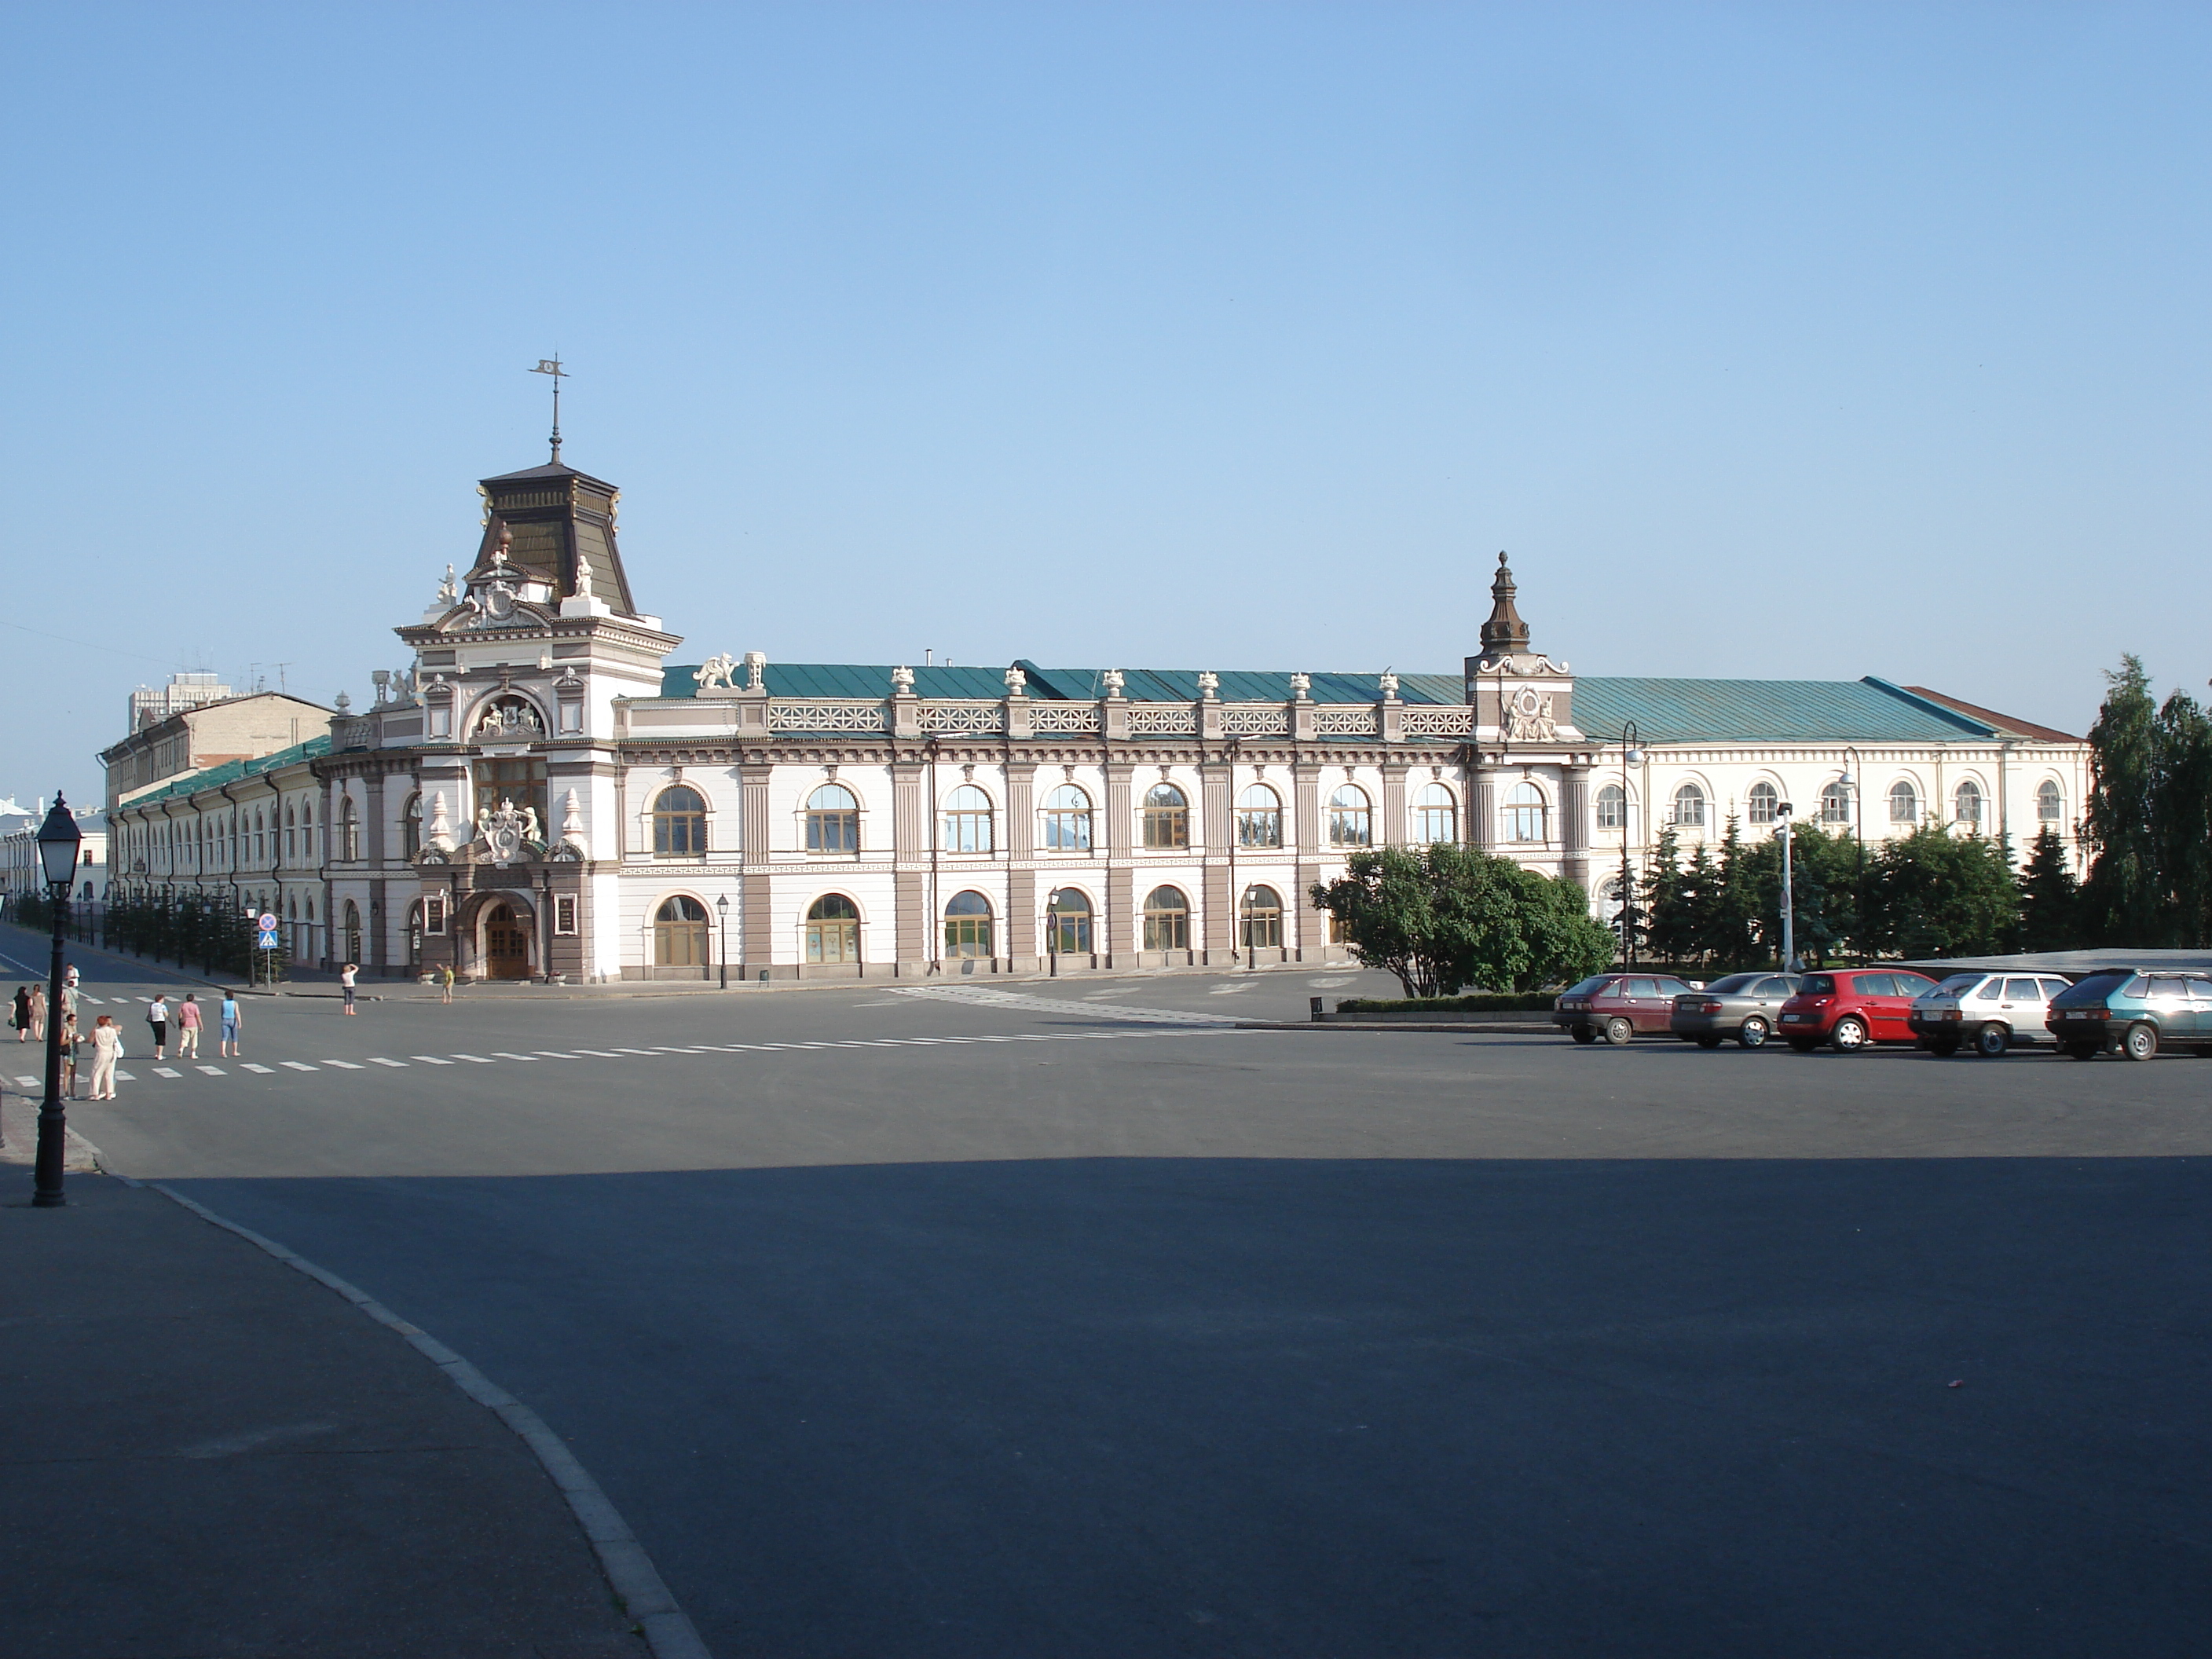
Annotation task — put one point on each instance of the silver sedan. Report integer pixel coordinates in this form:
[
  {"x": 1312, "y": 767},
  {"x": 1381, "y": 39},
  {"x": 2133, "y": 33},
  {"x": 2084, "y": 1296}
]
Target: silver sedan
[{"x": 1741, "y": 1005}]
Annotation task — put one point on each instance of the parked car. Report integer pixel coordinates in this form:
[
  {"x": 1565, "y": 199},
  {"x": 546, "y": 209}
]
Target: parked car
[
  {"x": 1849, "y": 1008},
  {"x": 1617, "y": 1006},
  {"x": 1991, "y": 1012},
  {"x": 1740, "y": 1006},
  {"x": 2134, "y": 1012}
]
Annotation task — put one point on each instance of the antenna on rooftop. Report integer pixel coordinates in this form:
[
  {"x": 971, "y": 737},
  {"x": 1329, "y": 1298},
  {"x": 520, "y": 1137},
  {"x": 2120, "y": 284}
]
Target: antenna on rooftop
[{"x": 552, "y": 366}]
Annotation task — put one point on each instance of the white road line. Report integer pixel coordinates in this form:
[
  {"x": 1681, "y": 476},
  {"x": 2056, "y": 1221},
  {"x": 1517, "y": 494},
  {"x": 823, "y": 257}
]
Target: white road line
[
  {"x": 1088, "y": 1006},
  {"x": 122, "y": 1076},
  {"x": 430, "y": 1059},
  {"x": 264, "y": 1070},
  {"x": 344, "y": 1065},
  {"x": 476, "y": 1059},
  {"x": 379, "y": 1060},
  {"x": 33, "y": 1082},
  {"x": 296, "y": 1065},
  {"x": 212, "y": 1071},
  {"x": 647, "y": 1053},
  {"x": 599, "y": 1054},
  {"x": 554, "y": 1054},
  {"x": 502, "y": 1053},
  {"x": 87, "y": 997},
  {"x": 163, "y": 1071}
]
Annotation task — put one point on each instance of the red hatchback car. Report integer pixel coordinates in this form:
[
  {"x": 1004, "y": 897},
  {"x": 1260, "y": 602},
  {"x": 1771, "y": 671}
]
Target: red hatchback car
[
  {"x": 1617, "y": 1006},
  {"x": 1851, "y": 1008}
]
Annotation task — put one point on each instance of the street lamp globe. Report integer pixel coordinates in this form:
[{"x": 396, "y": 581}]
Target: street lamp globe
[{"x": 59, "y": 840}]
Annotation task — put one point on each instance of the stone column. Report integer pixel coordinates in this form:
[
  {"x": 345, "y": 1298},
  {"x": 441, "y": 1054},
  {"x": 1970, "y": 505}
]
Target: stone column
[
  {"x": 910, "y": 825},
  {"x": 756, "y": 947},
  {"x": 1217, "y": 823},
  {"x": 1120, "y": 927},
  {"x": 1019, "y": 844},
  {"x": 1310, "y": 935},
  {"x": 1575, "y": 822},
  {"x": 1394, "y": 827}
]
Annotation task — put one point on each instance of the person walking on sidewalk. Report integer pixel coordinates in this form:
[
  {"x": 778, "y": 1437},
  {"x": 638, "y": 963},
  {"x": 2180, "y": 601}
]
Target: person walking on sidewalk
[
  {"x": 106, "y": 1049},
  {"x": 445, "y": 983},
  {"x": 230, "y": 1023},
  {"x": 157, "y": 1015},
  {"x": 345, "y": 980},
  {"x": 188, "y": 1028},
  {"x": 23, "y": 1013},
  {"x": 70, "y": 1042},
  {"x": 38, "y": 1013}
]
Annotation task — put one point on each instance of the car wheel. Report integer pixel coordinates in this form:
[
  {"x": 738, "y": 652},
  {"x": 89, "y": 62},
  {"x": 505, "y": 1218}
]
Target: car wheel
[
  {"x": 1943, "y": 1048},
  {"x": 1709, "y": 1042},
  {"x": 1619, "y": 1030},
  {"x": 1992, "y": 1041},
  {"x": 2140, "y": 1042},
  {"x": 1581, "y": 1034},
  {"x": 1753, "y": 1033},
  {"x": 1802, "y": 1045},
  {"x": 1850, "y": 1035},
  {"x": 2081, "y": 1051}
]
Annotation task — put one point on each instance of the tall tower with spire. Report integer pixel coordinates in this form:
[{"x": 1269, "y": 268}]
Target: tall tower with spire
[{"x": 1504, "y": 632}]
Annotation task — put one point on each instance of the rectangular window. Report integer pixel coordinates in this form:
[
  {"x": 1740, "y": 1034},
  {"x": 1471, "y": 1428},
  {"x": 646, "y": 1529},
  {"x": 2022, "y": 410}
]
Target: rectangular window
[
  {"x": 434, "y": 917},
  {"x": 564, "y": 912}
]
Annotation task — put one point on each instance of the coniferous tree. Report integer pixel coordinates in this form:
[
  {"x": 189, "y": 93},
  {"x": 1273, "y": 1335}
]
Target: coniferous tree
[
  {"x": 2182, "y": 818},
  {"x": 2121, "y": 899},
  {"x": 1667, "y": 920},
  {"x": 2048, "y": 894},
  {"x": 1701, "y": 895},
  {"x": 1942, "y": 895}
]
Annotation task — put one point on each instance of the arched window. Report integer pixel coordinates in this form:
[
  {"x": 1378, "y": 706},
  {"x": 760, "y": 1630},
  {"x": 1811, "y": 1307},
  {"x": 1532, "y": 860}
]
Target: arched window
[
  {"x": 261, "y": 837},
  {"x": 410, "y": 827},
  {"x": 1259, "y": 817},
  {"x": 1167, "y": 920},
  {"x": 1351, "y": 820},
  {"x": 308, "y": 830},
  {"x": 680, "y": 933},
  {"x": 1167, "y": 817},
  {"x": 1904, "y": 802},
  {"x": 2050, "y": 802},
  {"x": 967, "y": 926},
  {"x": 1436, "y": 816},
  {"x": 1967, "y": 804},
  {"x": 1762, "y": 801},
  {"x": 1612, "y": 807},
  {"x": 833, "y": 929},
  {"x": 1261, "y": 920},
  {"x": 1067, "y": 822},
  {"x": 1835, "y": 803},
  {"x": 1524, "y": 813},
  {"x": 291, "y": 834},
  {"x": 679, "y": 821},
  {"x": 1067, "y": 923},
  {"x": 1690, "y": 805},
  {"x": 352, "y": 930},
  {"x": 968, "y": 824},
  {"x": 349, "y": 831},
  {"x": 833, "y": 825}
]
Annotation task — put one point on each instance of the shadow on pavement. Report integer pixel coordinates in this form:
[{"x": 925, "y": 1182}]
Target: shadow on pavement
[{"x": 1180, "y": 1405}]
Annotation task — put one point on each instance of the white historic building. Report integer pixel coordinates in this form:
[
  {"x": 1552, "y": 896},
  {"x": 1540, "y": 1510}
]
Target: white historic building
[{"x": 542, "y": 791}]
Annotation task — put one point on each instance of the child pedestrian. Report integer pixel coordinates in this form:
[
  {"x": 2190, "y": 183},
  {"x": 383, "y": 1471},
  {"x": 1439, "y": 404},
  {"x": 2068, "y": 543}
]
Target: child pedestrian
[
  {"x": 228, "y": 1038},
  {"x": 157, "y": 1015},
  {"x": 22, "y": 1016},
  {"x": 106, "y": 1049},
  {"x": 345, "y": 979},
  {"x": 188, "y": 1028}
]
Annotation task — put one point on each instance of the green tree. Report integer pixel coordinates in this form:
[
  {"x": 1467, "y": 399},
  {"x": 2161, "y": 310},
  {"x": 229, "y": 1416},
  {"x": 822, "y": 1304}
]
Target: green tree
[
  {"x": 2120, "y": 901},
  {"x": 2181, "y": 821},
  {"x": 1701, "y": 902},
  {"x": 1942, "y": 895},
  {"x": 1726, "y": 932},
  {"x": 2049, "y": 895},
  {"x": 1444, "y": 917},
  {"x": 1669, "y": 927}
]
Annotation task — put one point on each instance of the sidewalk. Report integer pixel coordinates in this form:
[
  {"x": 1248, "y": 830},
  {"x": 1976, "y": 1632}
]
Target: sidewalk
[{"x": 210, "y": 1454}]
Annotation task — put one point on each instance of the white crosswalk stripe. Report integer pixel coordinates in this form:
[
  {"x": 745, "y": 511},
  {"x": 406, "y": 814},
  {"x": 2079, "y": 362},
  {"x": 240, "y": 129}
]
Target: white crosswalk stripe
[
  {"x": 345, "y": 1065},
  {"x": 379, "y": 1060},
  {"x": 163, "y": 1071},
  {"x": 212, "y": 1071},
  {"x": 264, "y": 1070},
  {"x": 299, "y": 1066},
  {"x": 979, "y": 995},
  {"x": 27, "y": 1083},
  {"x": 478, "y": 1059},
  {"x": 430, "y": 1059}
]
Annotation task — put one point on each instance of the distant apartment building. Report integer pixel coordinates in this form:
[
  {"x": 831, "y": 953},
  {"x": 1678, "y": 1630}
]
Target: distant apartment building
[{"x": 196, "y": 736}]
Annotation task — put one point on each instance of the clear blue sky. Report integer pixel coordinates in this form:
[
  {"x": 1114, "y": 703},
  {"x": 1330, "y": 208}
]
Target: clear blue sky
[{"x": 1772, "y": 341}]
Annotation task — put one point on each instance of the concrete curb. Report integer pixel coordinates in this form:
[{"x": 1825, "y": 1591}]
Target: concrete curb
[
  {"x": 668, "y": 1630},
  {"x": 1471, "y": 1028}
]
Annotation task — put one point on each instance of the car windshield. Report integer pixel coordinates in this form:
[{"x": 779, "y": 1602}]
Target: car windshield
[
  {"x": 1818, "y": 984},
  {"x": 1734, "y": 982},
  {"x": 1586, "y": 987},
  {"x": 2094, "y": 989}
]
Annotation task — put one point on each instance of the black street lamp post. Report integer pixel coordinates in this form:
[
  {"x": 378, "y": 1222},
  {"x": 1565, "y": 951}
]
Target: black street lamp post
[
  {"x": 59, "y": 837},
  {"x": 1853, "y": 777},
  {"x": 722, "y": 905},
  {"x": 1631, "y": 754}
]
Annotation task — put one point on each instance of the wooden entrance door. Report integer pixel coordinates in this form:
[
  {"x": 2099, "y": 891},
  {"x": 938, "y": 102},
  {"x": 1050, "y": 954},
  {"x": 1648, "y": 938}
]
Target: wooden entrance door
[{"x": 507, "y": 943}]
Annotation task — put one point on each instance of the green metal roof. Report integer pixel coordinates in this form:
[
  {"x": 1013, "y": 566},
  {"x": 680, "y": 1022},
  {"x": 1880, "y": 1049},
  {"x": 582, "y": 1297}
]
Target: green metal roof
[
  {"x": 1785, "y": 711},
  {"x": 232, "y": 771}
]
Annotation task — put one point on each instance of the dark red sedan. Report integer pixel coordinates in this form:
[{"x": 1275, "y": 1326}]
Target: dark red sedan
[{"x": 1619, "y": 1006}]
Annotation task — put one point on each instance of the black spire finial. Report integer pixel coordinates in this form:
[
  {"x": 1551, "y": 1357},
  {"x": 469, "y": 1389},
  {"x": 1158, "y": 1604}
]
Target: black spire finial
[
  {"x": 1505, "y": 631},
  {"x": 552, "y": 366}
]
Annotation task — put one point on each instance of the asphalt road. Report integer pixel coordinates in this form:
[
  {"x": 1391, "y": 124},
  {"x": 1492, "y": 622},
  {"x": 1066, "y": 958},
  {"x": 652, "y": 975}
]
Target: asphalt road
[{"x": 908, "y": 1325}]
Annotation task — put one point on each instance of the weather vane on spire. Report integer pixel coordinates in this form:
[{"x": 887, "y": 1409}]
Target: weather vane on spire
[{"x": 552, "y": 366}]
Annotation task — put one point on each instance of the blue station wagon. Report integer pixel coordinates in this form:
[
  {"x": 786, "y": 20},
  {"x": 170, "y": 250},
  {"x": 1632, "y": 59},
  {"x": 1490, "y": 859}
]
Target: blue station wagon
[{"x": 2134, "y": 1012}]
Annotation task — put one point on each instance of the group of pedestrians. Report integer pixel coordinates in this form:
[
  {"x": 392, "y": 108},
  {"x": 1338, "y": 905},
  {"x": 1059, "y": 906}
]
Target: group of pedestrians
[{"x": 94, "y": 1052}]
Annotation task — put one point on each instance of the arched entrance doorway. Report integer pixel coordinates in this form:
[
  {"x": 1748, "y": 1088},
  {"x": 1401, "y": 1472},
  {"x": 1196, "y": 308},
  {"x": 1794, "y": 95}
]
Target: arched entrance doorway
[{"x": 505, "y": 942}]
